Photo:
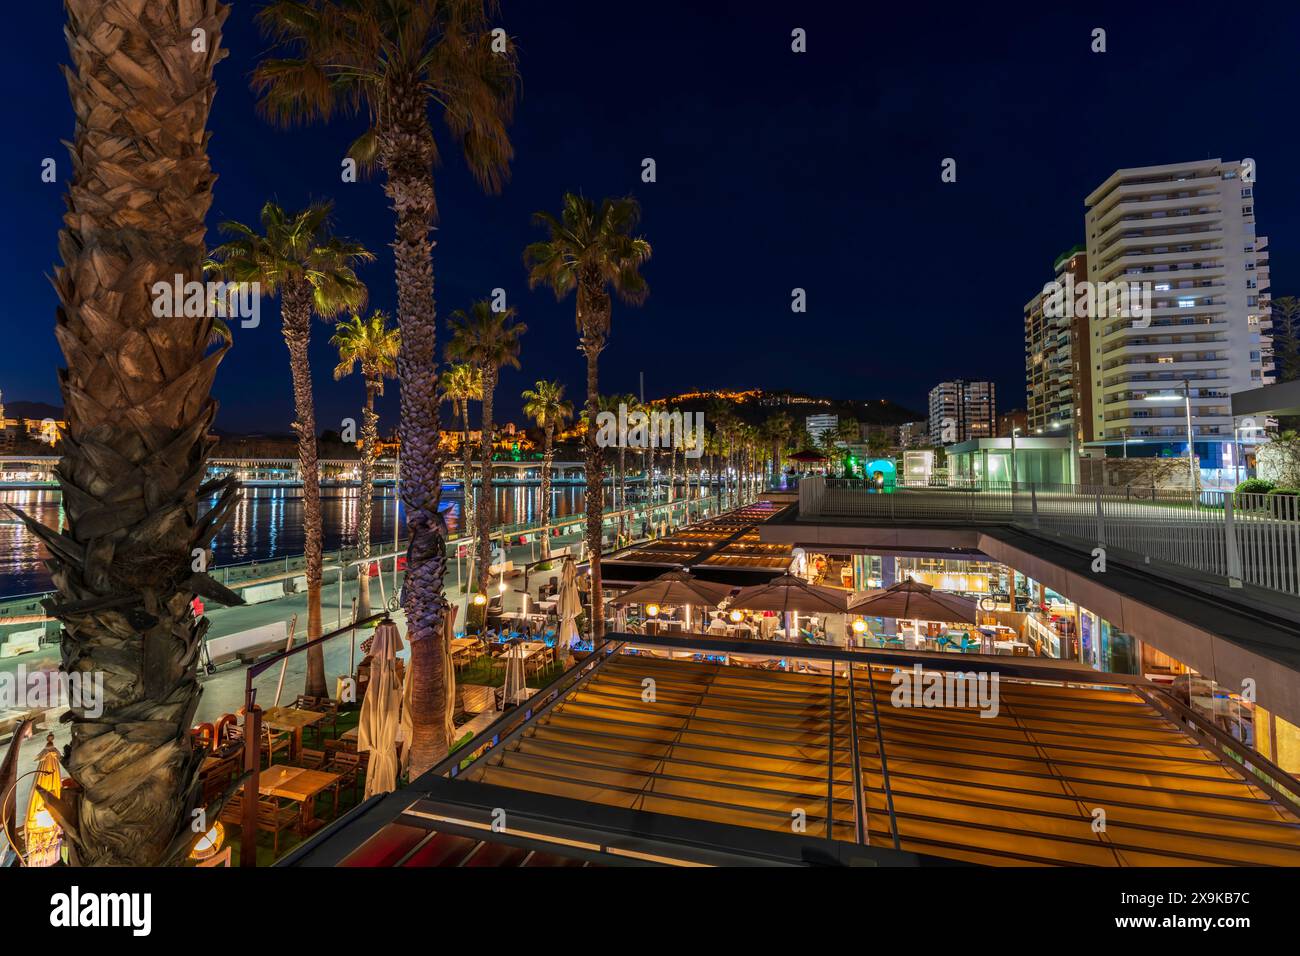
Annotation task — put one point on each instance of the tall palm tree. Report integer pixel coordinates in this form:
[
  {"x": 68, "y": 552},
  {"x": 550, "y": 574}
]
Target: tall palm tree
[
  {"x": 633, "y": 405},
  {"x": 546, "y": 405},
  {"x": 592, "y": 249},
  {"x": 371, "y": 344},
  {"x": 296, "y": 256},
  {"x": 395, "y": 62},
  {"x": 137, "y": 395},
  {"x": 489, "y": 341},
  {"x": 461, "y": 384}
]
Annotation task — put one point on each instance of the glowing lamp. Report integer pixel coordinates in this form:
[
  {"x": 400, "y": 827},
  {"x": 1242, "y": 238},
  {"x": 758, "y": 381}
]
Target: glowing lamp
[
  {"x": 736, "y": 617},
  {"x": 210, "y": 843},
  {"x": 480, "y": 599},
  {"x": 652, "y": 610},
  {"x": 501, "y": 587},
  {"x": 859, "y": 626}
]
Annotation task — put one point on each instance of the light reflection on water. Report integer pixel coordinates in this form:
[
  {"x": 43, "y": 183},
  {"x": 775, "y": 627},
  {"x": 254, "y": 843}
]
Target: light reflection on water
[{"x": 267, "y": 523}]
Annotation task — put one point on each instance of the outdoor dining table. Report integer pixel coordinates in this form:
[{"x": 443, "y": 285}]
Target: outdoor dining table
[
  {"x": 298, "y": 784},
  {"x": 293, "y": 720}
]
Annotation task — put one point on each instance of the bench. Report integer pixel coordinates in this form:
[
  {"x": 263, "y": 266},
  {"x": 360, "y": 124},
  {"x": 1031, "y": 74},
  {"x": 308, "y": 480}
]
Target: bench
[{"x": 248, "y": 645}]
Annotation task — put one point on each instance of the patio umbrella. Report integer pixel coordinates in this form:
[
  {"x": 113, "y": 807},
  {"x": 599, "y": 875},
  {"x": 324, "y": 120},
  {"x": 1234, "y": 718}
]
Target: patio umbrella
[
  {"x": 381, "y": 711},
  {"x": 568, "y": 606},
  {"x": 913, "y": 600},
  {"x": 787, "y": 594},
  {"x": 676, "y": 587},
  {"x": 43, "y": 836}
]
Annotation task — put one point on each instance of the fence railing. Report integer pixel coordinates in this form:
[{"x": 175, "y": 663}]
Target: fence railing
[{"x": 1244, "y": 538}]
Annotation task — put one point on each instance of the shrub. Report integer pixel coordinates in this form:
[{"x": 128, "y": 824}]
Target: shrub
[{"x": 1255, "y": 486}]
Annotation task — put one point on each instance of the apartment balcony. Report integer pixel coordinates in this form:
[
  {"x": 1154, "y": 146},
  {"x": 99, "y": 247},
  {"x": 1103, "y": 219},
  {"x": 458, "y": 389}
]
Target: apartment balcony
[
  {"x": 1136, "y": 232},
  {"x": 1125, "y": 330},
  {"x": 1112, "y": 270},
  {"x": 1128, "y": 198}
]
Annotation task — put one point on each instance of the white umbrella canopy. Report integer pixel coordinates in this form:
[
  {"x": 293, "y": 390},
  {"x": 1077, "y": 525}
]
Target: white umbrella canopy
[
  {"x": 676, "y": 587},
  {"x": 568, "y": 607},
  {"x": 787, "y": 594},
  {"x": 381, "y": 711},
  {"x": 913, "y": 600}
]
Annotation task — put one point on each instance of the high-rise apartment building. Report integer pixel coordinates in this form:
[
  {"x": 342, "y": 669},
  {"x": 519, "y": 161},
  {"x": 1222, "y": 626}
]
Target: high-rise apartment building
[
  {"x": 1186, "y": 233},
  {"x": 1058, "y": 389},
  {"x": 819, "y": 425},
  {"x": 962, "y": 410}
]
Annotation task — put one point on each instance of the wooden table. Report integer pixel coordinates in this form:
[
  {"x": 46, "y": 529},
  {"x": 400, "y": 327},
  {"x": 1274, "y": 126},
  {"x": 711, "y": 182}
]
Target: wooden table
[
  {"x": 293, "y": 720},
  {"x": 298, "y": 784}
]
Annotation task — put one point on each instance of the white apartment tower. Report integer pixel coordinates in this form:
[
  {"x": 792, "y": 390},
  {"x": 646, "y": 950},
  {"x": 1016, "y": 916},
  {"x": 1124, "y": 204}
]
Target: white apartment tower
[{"x": 1187, "y": 230}]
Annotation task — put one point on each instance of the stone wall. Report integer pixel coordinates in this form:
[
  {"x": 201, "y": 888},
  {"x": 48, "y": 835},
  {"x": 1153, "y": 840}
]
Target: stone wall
[
  {"x": 1279, "y": 462},
  {"x": 1165, "y": 474}
]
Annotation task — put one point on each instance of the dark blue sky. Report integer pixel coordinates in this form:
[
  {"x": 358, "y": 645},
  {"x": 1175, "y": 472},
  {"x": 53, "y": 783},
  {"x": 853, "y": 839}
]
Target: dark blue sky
[{"x": 775, "y": 170}]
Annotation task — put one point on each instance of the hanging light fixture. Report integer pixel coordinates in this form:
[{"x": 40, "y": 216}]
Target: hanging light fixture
[
  {"x": 736, "y": 617},
  {"x": 652, "y": 610},
  {"x": 859, "y": 626}
]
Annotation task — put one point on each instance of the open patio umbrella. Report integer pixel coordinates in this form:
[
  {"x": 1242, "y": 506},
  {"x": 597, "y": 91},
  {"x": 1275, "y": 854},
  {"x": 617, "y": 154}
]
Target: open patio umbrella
[
  {"x": 913, "y": 600},
  {"x": 676, "y": 587},
  {"x": 381, "y": 711},
  {"x": 787, "y": 594},
  {"x": 568, "y": 606}
]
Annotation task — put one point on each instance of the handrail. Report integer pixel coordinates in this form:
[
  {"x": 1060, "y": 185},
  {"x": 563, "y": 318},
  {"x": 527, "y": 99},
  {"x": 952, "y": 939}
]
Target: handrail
[{"x": 1160, "y": 698}]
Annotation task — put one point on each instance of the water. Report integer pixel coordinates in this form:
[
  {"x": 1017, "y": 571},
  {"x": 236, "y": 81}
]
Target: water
[{"x": 267, "y": 523}]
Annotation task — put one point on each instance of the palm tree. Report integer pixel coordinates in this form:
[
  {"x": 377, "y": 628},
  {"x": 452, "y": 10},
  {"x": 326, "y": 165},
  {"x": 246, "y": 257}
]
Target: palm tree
[
  {"x": 461, "y": 384},
  {"x": 395, "y": 61},
  {"x": 546, "y": 405},
  {"x": 296, "y": 256},
  {"x": 371, "y": 344},
  {"x": 489, "y": 341},
  {"x": 137, "y": 395},
  {"x": 591, "y": 249},
  {"x": 633, "y": 406}
]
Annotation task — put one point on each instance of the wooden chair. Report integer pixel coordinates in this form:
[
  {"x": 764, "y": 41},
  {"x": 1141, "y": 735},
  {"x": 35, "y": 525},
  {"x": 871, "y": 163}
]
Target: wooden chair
[
  {"x": 221, "y": 859},
  {"x": 351, "y": 768},
  {"x": 274, "y": 741},
  {"x": 321, "y": 705},
  {"x": 276, "y": 819},
  {"x": 312, "y": 759}
]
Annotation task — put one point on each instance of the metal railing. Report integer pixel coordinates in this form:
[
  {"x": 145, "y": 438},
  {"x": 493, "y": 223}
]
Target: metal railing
[{"x": 1243, "y": 538}]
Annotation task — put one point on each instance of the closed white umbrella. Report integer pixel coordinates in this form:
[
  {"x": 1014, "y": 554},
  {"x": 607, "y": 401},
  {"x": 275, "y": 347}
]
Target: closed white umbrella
[
  {"x": 381, "y": 711},
  {"x": 568, "y": 607}
]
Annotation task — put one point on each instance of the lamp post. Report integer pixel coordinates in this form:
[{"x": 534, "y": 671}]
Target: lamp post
[
  {"x": 1191, "y": 445},
  {"x": 1014, "y": 432},
  {"x": 1124, "y": 434}
]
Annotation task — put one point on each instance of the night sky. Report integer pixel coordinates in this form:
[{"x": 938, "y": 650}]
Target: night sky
[{"x": 775, "y": 170}]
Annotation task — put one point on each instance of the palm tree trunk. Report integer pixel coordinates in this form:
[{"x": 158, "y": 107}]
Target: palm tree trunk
[
  {"x": 486, "y": 504},
  {"x": 406, "y": 152},
  {"x": 548, "y": 456},
  {"x": 593, "y": 342},
  {"x": 137, "y": 396},
  {"x": 295, "y": 308},
  {"x": 467, "y": 489},
  {"x": 369, "y": 437}
]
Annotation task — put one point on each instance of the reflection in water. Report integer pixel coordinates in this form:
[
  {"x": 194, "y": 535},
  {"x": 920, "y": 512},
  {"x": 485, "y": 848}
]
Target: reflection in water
[{"x": 267, "y": 523}]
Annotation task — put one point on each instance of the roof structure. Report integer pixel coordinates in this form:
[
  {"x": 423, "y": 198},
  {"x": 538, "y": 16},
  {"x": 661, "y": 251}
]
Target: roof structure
[{"x": 745, "y": 751}]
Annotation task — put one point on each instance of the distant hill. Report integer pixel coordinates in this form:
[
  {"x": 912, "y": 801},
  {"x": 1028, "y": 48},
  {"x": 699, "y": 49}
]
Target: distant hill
[
  {"x": 36, "y": 410},
  {"x": 755, "y": 406}
]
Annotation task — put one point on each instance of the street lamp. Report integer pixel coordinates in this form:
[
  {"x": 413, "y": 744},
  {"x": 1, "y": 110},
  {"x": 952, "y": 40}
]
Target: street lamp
[{"x": 1191, "y": 446}]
